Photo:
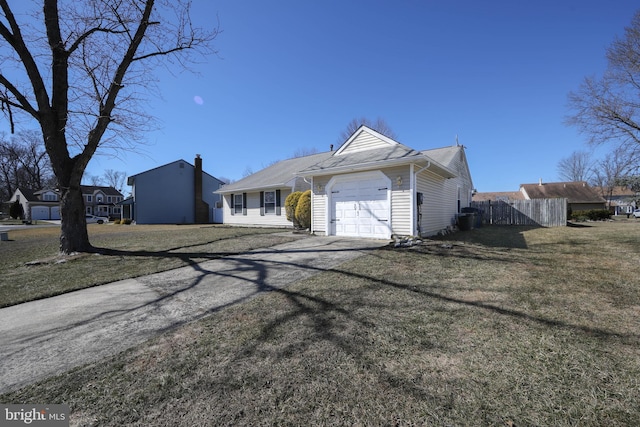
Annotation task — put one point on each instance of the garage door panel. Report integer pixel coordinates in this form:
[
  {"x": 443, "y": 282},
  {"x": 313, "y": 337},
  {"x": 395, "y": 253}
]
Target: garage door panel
[
  {"x": 39, "y": 212},
  {"x": 360, "y": 208}
]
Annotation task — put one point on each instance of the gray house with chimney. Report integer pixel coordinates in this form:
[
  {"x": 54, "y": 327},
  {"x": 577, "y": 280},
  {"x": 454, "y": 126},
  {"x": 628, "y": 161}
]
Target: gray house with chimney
[{"x": 175, "y": 193}]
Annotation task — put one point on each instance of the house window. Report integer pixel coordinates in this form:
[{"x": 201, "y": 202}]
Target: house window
[
  {"x": 269, "y": 202},
  {"x": 237, "y": 203},
  {"x": 108, "y": 199},
  {"x": 89, "y": 198}
]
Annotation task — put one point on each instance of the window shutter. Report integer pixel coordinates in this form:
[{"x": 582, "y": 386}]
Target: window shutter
[
  {"x": 233, "y": 208},
  {"x": 244, "y": 203},
  {"x": 262, "y": 203},
  {"x": 278, "y": 207}
]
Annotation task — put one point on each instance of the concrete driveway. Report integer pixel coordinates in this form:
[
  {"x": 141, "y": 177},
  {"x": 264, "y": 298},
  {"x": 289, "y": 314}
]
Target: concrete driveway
[{"x": 43, "y": 338}]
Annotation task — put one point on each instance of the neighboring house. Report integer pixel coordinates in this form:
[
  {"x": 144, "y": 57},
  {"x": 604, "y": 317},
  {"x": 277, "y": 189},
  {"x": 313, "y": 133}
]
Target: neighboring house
[
  {"x": 620, "y": 200},
  {"x": 372, "y": 187},
  {"x": 102, "y": 201},
  {"x": 580, "y": 196},
  {"x": 176, "y": 193},
  {"x": 45, "y": 204},
  {"x": 498, "y": 196}
]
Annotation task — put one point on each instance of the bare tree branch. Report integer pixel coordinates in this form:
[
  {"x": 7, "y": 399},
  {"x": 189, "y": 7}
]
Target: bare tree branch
[{"x": 98, "y": 58}]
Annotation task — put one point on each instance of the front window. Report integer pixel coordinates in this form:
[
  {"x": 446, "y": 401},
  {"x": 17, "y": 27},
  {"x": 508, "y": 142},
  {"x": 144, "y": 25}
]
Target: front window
[
  {"x": 237, "y": 203},
  {"x": 269, "y": 202},
  {"x": 89, "y": 198}
]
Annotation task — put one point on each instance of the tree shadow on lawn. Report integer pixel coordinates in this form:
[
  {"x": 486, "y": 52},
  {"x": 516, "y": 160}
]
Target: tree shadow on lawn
[
  {"x": 271, "y": 270},
  {"x": 262, "y": 281}
]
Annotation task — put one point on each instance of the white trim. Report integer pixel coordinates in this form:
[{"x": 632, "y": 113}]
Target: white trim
[
  {"x": 361, "y": 176},
  {"x": 412, "y": 200}
]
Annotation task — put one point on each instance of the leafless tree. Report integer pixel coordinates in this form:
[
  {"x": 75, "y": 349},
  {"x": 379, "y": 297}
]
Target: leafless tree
[
  {"x": 247, "y": 171},
  {"x": 612, "y": 170},
  {"x": 114, "y": 178},
  {"x": 82, "y": 70},
  {"x": 95, "y": 180},
  {"x": 24, "y": 163},
  {"x": 607, "y": 109},
  {"x": 379, "y": 125},
  {"x": 577, "y": 167}
]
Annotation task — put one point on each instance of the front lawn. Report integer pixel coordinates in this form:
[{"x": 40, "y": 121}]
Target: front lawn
[
  {"x": 497, "y": 326},
  {"x": 30, "y": 267}
]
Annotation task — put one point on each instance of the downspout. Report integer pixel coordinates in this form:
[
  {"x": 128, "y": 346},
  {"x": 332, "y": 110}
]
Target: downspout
[{"x": 414, "y": 195}]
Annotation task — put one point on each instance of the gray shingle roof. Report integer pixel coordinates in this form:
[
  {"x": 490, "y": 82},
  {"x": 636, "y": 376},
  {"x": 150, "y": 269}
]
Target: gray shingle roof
[
  {"x": 396, "y": 152},
  {"x": 281, "y": 174},
  {"x": 444, "y": 155},
  {"x": 575, "y": 192}
]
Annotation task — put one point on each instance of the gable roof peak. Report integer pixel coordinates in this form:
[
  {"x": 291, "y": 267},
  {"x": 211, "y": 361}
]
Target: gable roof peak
[{"x": 365, "y": 138}]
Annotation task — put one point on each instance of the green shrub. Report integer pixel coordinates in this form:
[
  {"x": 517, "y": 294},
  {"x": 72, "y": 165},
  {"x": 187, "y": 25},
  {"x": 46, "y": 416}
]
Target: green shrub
[
  {"x": 16, "y": 211},
  {"x": 591, "y": 215},
  {"x": 303, "y": 210},
  {"x": 290, "y": 204}
]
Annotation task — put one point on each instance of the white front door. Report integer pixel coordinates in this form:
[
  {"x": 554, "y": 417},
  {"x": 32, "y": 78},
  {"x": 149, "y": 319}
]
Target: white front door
[{"x": 360, "y": 206}]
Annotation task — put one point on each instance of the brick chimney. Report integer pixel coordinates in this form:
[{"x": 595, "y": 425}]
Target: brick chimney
[{"x": 201, "y": 207}]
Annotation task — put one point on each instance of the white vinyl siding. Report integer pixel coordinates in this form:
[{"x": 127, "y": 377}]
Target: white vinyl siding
[
  {"x": 400, "y": 200},
  {"x": 437, "y": 212},
  {"x": 365, "y": 141},
  {"x": 253, "y": 216},
  {"x": 319, "y": 205}
]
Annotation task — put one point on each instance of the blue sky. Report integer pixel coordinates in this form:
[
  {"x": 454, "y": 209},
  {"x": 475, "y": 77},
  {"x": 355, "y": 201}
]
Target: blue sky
[{"x": 291, "y": 75}]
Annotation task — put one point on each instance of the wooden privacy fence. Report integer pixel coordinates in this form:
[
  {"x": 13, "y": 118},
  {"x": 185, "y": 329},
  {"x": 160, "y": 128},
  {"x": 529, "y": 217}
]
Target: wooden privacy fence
[{"x": 542, "y": 212}]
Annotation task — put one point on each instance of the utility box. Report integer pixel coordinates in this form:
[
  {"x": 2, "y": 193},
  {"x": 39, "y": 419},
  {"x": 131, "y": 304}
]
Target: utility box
[{"x": 466, "y": 221}]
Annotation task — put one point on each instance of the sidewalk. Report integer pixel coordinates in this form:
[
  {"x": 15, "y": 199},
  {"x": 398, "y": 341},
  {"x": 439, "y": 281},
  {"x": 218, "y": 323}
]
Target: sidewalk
[{"x": 43, "y": 338}]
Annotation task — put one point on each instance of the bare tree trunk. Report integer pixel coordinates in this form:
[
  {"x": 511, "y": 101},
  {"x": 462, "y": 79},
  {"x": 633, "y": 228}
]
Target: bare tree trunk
[{"x": 73, "y": 232}]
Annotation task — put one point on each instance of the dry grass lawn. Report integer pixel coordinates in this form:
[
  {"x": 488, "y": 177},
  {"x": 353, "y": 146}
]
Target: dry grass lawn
[
  {"x": 496, "y": 326},
  {"x": 30, "y": 267}
]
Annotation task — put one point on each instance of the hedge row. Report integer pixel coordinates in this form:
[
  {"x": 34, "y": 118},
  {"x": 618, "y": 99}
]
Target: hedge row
[{"x": 591, "y": 215}]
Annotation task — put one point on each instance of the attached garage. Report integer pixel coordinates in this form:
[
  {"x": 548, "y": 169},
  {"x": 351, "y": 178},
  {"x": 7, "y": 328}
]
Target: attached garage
[
  {"x": 359, "y": 205},
  {"x": 39, "y": 212},
  {"x": 55, "y": 212},
  {"x": 45, "y": 212}
]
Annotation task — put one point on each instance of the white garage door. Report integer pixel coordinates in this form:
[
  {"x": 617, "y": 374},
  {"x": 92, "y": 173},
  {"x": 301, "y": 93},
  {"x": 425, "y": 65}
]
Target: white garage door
[
  {"x": 55, "y": 212},
  {"x": 39, "y": 212},
  {"x": 360, "y": 208}
]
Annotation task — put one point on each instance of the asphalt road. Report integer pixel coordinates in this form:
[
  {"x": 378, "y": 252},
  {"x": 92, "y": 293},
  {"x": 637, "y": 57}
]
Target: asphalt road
[{"x": 43, "y": 338}]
